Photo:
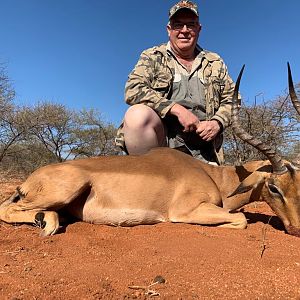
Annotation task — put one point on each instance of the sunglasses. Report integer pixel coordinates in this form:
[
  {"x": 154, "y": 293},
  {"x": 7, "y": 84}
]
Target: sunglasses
[{"x": 191, "y": 26}]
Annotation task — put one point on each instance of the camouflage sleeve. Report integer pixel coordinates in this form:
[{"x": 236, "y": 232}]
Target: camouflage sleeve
[
  {"x": 226, "y": 88},
  {"x": 143, "y": 87}
]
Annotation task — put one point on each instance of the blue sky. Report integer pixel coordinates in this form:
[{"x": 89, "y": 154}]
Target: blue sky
[{"x": 79, "y": 52}]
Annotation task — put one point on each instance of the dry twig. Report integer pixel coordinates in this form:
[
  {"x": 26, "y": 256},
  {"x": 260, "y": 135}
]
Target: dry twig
[
  {"x": 147, "y": 291},
  {"x": 263, "y": 245}
]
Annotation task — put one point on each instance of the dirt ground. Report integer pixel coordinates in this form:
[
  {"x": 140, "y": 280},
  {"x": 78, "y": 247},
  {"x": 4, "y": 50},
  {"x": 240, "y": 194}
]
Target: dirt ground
[{"x": 86, "y": 261}]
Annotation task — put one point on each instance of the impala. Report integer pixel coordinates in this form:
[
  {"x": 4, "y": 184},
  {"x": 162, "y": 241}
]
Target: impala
[{"x": 163, "y": 185}]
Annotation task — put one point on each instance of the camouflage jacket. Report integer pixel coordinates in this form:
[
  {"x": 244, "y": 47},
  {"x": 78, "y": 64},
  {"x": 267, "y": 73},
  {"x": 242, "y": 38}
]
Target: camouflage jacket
[{"x": 150, "y": 83}]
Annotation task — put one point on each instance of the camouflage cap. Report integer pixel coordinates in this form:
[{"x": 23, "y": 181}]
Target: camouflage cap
[{"x": 183, "y": 4}]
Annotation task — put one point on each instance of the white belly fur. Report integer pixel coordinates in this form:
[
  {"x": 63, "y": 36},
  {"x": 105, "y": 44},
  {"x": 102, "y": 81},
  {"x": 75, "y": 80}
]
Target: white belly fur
[{"x": 122, "y": 217}]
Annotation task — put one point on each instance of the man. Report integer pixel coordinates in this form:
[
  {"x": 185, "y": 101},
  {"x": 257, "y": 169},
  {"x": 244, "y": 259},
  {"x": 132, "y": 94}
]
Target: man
[{"x": 180, "y": 94}]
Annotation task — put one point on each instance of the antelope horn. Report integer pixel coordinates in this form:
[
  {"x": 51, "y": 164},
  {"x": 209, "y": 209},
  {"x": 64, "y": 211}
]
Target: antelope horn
[
  {"x": 296, "y": 104},
  {"x": 292, "y": 92},
  {"x": 267, "y": 150}
]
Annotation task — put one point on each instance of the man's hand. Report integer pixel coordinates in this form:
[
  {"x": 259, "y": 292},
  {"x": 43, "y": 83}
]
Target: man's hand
[
  {"x": 208, "y": 130},
  {"x": 186, "y": 118}
]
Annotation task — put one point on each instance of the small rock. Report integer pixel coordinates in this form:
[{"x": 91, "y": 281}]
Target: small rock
[{"x": 159, "y": 279}]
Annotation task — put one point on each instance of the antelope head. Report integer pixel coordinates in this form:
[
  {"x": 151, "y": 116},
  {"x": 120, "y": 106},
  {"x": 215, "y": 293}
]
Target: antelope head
[{"x": 280, "y": 187}]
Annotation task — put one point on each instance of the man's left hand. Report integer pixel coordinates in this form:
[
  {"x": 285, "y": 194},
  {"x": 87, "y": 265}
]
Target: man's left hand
[{"x": 208, "y": 130}]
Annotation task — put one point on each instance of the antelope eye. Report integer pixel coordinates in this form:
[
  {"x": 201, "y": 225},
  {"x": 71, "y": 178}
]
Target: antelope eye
[{"x": 273, "y": 189}]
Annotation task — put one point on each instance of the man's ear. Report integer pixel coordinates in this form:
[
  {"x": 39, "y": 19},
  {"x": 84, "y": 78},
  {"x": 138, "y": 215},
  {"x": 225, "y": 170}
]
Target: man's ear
[
  {"x": 250, "y": 182},
  {"x": 168, "y": 28}
]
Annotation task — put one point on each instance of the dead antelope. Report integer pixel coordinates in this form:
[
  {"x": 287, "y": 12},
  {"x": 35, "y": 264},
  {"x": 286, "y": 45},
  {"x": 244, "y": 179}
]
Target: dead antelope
[{"x": 163, "y": 185}]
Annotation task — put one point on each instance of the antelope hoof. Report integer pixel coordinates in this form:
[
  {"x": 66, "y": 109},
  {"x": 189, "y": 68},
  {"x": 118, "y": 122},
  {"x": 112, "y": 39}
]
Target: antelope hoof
[
  {"x": 39, "y": 220},
  {"x": 48, "y": 221}
]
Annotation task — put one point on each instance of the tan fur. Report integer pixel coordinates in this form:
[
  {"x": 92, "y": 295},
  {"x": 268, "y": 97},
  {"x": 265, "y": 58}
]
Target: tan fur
[{"x": 164, "y": 185}]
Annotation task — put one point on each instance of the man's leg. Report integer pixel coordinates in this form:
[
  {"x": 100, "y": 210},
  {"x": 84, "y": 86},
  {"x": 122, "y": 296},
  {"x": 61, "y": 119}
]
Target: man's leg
[{"x": 143, "y": 130}]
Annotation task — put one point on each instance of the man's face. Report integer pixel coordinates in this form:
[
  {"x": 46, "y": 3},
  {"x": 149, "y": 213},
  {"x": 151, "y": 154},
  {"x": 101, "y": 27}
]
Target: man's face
[{"x": 183, "y": 31}]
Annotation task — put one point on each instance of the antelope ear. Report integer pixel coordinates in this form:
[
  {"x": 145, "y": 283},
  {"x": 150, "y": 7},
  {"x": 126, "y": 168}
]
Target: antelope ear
[{"x": 250, "y": 182}]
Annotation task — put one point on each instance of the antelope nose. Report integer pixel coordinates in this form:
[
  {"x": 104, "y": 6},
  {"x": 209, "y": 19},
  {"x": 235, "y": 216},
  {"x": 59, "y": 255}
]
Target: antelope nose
[{"x": 292, "y": 230}]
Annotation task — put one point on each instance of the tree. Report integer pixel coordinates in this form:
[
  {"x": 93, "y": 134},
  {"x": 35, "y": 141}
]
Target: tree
[
  {"x": 276, "y": 122},
  {"x": 52, "y": 126},
  {"x": 47, "y": 132},
  {"x": 69, "y": 134},
  {"x": 11, "y": 118},
  {"x": 95, "y": 137},
  {"x": 13, "y": 128},
  {"x": 7, "y": 92}
]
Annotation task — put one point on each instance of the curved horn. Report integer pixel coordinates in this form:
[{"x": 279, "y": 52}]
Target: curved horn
[
  {"x": 292, "y": 92},
  {"x": 268, "y": 151},
  {"x": 296, "y": 104}
]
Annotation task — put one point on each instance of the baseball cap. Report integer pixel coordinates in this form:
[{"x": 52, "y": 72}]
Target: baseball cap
[{"x": 184, "y": 4}]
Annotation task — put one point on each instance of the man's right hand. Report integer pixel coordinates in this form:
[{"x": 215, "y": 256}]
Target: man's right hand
[{"x": 186, "y": 118}]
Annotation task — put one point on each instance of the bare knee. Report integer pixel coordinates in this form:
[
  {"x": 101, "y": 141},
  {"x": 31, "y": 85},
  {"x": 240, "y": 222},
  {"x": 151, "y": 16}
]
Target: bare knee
[
  {"x": 143, "y": 129},
  {"x": 140, "y": 116}
]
